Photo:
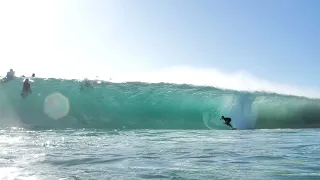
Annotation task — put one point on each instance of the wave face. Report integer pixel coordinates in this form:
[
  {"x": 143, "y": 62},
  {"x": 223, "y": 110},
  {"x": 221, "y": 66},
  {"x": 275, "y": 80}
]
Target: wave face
[{"x": 57, "y": 103}]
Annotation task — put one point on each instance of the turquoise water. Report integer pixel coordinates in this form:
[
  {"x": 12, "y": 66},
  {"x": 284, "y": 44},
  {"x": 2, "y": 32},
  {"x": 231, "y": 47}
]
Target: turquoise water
[
  {"x": 159, "y": 154},
  {"x": 57, "y": 103},
  {"x": 67, "y": 129}
]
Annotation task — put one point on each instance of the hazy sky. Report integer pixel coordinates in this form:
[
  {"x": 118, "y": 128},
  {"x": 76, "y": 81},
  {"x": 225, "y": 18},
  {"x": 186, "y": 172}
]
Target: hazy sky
[{"x": 276, "y": 40}]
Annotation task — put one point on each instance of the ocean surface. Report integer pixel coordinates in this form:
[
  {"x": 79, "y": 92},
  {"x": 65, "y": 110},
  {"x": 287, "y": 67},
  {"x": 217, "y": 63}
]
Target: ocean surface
[
  {"x": 70, "y": 129},
  {"x": 159, "y": 154}
]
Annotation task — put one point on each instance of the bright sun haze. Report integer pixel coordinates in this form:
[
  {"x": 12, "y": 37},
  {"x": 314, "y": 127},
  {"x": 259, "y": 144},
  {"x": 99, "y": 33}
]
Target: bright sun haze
[{"x": 245, "y": 45}]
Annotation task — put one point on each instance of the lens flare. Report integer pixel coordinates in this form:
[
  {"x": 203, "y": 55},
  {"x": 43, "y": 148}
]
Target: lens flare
[{"x": 56, "y": 105}]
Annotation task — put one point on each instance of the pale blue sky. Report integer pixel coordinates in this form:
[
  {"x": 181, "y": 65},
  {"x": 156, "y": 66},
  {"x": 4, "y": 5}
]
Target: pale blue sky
[{"x": 276, "y": 40}]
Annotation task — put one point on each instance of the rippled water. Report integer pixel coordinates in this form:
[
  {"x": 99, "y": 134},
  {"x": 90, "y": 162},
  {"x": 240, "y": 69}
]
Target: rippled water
[{"x": 150, "y": 154}]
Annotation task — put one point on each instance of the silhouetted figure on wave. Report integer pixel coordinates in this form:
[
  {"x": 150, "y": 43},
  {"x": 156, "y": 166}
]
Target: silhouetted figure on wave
[
  {"x": 26, "y": 88},
  {"x": 227, "y": 121}
]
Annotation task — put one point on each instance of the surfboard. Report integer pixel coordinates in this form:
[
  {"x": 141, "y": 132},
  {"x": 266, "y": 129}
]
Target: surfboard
[
  {"x": 231, "y": 128},
  {"x": 30, "y": 80}
]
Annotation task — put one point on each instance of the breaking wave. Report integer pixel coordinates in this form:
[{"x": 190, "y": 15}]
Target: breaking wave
[{"x": 59, "y": 103}]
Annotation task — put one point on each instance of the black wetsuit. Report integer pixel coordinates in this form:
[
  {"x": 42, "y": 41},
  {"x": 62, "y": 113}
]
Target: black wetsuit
[
  {"x": 227, "y": 121},
  {"x": 26, "y": 88}
]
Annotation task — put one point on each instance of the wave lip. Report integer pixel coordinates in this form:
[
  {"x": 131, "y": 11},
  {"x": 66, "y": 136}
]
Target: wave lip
[{"x": 59, "y": 103}]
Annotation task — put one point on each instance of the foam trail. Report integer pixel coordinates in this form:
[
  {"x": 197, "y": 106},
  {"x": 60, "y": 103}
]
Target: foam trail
[{"x": 242, "y": 112}]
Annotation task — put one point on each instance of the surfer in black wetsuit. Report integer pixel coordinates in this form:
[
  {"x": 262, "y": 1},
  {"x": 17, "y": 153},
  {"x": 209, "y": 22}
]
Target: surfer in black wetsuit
[
  {"x": 227, "y": 121},
  {"x": 26, "y": 89}
]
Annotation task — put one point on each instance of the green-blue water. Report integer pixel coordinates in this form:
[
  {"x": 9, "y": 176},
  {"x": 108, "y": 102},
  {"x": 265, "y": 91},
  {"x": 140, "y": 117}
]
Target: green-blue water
[
  {"x": 57, "y": 103},
  {"x": 160, "y": 154},
  {"x": 154, "y": 131}
]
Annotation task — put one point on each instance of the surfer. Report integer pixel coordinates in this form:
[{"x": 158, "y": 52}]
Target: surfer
[
  {"x": 10, "y": 76},
  {"x": 227, "y": 121},
  {"x": 85, "y": 84},
  {"x": 26, "y": 88}
]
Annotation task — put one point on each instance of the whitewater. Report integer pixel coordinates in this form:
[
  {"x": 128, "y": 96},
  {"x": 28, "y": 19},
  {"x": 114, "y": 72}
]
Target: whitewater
[{"x": 158, "y": 126}]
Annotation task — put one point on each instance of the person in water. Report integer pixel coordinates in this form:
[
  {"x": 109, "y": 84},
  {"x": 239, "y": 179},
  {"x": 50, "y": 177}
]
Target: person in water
[
  {"x": 85, "y": 84},
  {"x": 10, "y": 76},
  {"x": 227, "y": 121},
  {"x": 26, "y": 89}
]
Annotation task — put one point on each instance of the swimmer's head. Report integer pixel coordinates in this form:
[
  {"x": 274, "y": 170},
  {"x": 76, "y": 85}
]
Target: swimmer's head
[
  {"x": 27, "y": 80},
  {"x": 33, "y": 75}
]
